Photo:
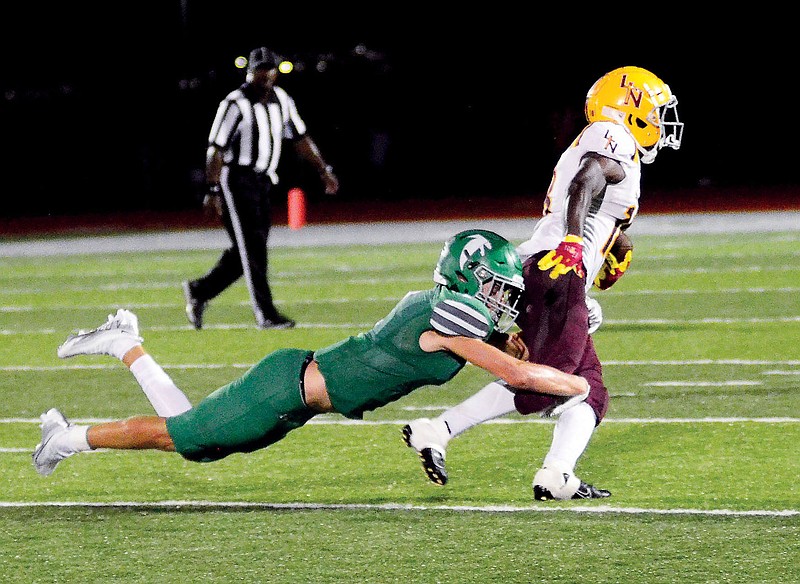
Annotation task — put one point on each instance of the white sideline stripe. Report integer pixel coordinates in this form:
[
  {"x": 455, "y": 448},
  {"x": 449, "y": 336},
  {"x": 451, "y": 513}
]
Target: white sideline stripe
[
  {"x": 171, "y": 285},
  {"x": 374, "y": 299},
  {"x": 700, "y": 383},
  {"x": 672, "y": 321},
  {"x": 705, "y": 362},
  {"x": 402, "y": 507},
  {"x": 140, "y": 305},
  {"x": 240, "y": 326},
  {"x": 369, "y": 325},
  {"x": 281, "y": 279},
  {"x": 690, "y": 362},
  {"x": 334, "y": 420},
  {"x": 760, "y": 290}
]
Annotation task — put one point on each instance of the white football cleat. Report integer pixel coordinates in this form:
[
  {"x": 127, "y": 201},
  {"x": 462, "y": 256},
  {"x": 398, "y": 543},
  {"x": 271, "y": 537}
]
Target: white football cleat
[
  {"x": 49, "y": 452},
  {"x": 428, "y": 438},
  {"x": 551, "y": 483},
  {"x": 115, "y": 337}
]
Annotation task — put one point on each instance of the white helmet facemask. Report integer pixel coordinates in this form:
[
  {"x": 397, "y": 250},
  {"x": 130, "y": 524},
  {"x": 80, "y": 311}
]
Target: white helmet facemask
[{"x": 670, "y": 131}]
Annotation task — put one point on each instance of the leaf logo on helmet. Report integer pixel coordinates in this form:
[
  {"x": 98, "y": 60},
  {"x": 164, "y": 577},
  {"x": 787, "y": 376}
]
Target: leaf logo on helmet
[
  {"x": 642, "y": 103},
  {"x": 477, "y": 244},
  {"x": 484, "y": 265}
]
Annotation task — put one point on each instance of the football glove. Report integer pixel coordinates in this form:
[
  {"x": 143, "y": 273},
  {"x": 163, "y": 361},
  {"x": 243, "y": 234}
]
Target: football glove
[
  {"x": 612, "y": 270},
  {"x": 567, "y": 257},
  {"x": 595, "y": 314}
]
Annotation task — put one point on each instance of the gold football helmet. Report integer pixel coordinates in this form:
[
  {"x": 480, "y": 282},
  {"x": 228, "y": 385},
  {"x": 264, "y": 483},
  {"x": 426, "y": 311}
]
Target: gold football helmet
[{"x": 640, "y": 101}]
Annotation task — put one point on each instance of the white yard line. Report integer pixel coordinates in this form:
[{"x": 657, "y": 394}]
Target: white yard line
[
  {"x": 265, "y": 506},
  {"x": 368, "y": 325},
  {"x": 332, "y": 420}
]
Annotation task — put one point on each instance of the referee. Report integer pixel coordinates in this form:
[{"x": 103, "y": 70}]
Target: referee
[{"x": 244, "y": 149}]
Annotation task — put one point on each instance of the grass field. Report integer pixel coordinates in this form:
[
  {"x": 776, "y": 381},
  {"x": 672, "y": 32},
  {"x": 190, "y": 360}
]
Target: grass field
[{"x": 701, "y": 446}]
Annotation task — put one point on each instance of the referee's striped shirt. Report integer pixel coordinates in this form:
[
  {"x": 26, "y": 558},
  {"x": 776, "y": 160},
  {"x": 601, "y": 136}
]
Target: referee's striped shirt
[{"x": 250, "y": 134}]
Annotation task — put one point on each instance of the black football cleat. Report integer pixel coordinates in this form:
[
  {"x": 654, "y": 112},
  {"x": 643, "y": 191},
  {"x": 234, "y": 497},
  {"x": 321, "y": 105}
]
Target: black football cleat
[
  {"x": 432, "y": 460},
  {"x": 585, "y": 491},
  {"x": 194, "y": 308}
]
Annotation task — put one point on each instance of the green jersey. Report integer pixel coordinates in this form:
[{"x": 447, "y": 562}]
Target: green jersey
[{"x": 372, "y": 369}]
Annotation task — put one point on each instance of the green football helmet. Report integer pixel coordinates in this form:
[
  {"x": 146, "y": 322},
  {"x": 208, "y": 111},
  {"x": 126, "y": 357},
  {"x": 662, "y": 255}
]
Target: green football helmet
[{"x": 484, "y": 265}]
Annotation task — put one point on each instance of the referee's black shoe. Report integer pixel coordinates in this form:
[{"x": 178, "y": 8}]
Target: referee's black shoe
[
  {"x": 277, "y": 322},
  {"x": 194, "y": 308}
]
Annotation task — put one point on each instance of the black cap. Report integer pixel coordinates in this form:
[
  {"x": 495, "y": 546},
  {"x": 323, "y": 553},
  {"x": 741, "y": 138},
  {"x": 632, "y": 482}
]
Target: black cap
[{"x": 263, "y": 57}]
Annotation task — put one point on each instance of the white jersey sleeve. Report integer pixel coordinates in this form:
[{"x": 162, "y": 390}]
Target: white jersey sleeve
[{"x": 615, "y": 207}]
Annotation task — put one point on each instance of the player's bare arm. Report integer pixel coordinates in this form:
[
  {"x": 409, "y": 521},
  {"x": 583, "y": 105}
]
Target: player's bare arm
[
  {"x": 521, "y": 375},
  {"x": 594, "y": 173},
  {"x": 212, "y": 203}
]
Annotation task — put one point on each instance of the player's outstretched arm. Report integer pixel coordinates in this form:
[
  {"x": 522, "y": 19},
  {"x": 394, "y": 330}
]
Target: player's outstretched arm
[{"x": 521, "y": 375}]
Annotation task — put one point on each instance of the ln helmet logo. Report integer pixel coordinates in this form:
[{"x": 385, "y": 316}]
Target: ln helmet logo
[
  {"x": 633, "y": 94},
  {"x": 476, "y": 243}
]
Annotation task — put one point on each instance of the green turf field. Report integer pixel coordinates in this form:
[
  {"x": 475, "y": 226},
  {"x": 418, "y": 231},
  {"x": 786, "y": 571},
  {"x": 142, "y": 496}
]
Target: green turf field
[{"x": 701, "y": 446}]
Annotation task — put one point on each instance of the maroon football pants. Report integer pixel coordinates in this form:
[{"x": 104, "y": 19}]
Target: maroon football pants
[{"x": 554, "y": 323}]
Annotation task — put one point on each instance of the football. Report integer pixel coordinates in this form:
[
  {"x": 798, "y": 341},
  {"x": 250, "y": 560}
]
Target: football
[
  {"x": 617, "y": 261},
  {"x": 621, "y": 246}
]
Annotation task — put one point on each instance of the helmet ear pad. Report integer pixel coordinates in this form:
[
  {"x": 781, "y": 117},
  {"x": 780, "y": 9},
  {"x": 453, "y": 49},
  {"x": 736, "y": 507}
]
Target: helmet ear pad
[
  {"x": 467, "y": 282},
  {"x": 638, "y": 121},
  {"x": 646, "y": 133}
]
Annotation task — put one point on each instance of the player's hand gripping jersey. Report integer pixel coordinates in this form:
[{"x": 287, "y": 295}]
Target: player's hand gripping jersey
[{"x": 615, "y": 208}]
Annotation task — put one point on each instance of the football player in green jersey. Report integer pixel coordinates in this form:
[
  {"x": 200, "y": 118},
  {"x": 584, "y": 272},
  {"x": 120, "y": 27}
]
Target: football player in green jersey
[{"x": 425, "y": 340}]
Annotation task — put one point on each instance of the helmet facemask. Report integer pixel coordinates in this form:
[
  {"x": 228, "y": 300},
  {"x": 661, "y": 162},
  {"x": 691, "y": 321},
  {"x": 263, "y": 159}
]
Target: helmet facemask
[
  {"x": 500, "y": 295},
  {"x": 670, "y": 129}
]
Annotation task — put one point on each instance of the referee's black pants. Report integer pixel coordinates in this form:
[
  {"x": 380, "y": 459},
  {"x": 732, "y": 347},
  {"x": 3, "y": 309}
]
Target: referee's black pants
[{"x": 247, "y": 220}]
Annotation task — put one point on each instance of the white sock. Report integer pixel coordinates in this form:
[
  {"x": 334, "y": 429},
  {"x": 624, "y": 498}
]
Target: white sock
[
  {"x": 74, "y": 440},
  {"x": 493, "y": 401},
  {"x": 164, "y": 395},
  {"x": 122, "y": 344},
  {"x": 571, "y": 436}
]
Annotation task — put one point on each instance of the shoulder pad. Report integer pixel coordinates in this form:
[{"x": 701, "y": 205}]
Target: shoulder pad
[
  {"x": 460, "y": 315},
  {"x": 609, "y": 139}
]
